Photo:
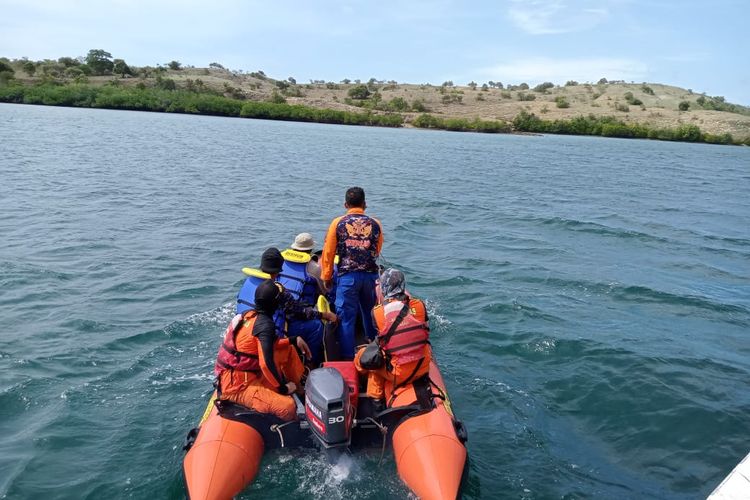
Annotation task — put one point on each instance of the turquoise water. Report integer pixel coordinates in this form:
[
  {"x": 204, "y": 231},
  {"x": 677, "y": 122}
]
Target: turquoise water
[{"x": 590, "y": 298}]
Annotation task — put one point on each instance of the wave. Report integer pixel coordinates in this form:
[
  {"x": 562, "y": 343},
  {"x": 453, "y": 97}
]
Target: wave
[
  {"x": 635, "y": 293},
  {"x": 596, "y": 228}
]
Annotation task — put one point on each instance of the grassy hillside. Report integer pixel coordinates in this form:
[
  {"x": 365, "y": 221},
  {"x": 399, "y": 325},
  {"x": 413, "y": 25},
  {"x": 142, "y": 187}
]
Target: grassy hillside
[{"x": 637, "y": 109}]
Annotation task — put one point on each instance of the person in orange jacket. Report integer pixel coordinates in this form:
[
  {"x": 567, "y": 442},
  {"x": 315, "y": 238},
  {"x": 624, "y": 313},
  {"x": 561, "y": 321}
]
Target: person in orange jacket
[
  {"x": 254, "y": 367},
  {"x": 403, "y": 335},
  {"x": 357, "y": 240}
]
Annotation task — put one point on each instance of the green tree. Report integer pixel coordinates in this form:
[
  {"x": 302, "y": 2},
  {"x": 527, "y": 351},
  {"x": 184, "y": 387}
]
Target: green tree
[
  {"x": 473, "y": 85},
  {"x": 68, "y": 62},
  {"x": 398, "y": 104},
  {"x": 7, "y": 73},
  {"x": 29, "y": 67},
  {"x": 165, "y": 83},
  {"x": 523, "y": 86},
  {"x": 684, "y": 106},
  {"x": 100, "y": 61},
  {"x": 277, "y": 98},
  {"x": 120, "y": 67},
  {"x": 4, "y": 66},
  {"x": 542, "y": 87},
  {"x": 359, "y": 92},
  {"x": 175, "y": 65}
]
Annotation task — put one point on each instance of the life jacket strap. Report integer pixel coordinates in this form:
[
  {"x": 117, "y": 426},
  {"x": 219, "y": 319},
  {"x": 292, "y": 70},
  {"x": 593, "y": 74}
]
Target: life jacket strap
[
  {"x": 406, "y": 346},
  {"x": 235, "y": 352}
]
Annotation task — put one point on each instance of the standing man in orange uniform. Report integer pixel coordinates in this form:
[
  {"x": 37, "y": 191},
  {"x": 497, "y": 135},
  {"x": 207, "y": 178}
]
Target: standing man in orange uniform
[
  {"x": 254, "y": 367},
  {"x": 357, "y": 239}
]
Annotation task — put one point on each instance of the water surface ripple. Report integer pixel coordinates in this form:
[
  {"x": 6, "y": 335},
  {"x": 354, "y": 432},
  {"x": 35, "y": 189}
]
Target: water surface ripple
[{"x": 590, "y": 298}]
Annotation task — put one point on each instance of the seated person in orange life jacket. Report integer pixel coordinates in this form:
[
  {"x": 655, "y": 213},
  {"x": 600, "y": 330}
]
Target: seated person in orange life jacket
[
  {"x": 406, "y": 348},
  {"x": 254, "y": 367},
  {"x": 301, "y": 317}
]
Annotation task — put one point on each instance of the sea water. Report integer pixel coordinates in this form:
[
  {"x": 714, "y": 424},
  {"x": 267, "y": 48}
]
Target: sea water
[{"x": 589, "y": 298}]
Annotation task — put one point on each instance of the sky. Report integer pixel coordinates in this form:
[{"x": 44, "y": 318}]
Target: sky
[{"x": 702, "y": 46}]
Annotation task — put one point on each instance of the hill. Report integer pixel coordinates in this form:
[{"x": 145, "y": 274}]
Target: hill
[{"x": 633, "y": 107}]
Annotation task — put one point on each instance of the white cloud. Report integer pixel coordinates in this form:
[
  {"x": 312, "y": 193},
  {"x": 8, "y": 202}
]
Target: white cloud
[
  {"x": 547, "y": 17},
  {"x": 559, "y": 71}
]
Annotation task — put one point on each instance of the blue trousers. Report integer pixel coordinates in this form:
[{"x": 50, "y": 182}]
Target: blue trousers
[
  {"x": 355, "y": 296},
  {"x": 311, "y": 332}
]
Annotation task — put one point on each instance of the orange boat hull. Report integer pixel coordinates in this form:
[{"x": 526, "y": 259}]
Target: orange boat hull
[
  {"x": 223, "y": 460},
  {"x": 429, "y": 456}
]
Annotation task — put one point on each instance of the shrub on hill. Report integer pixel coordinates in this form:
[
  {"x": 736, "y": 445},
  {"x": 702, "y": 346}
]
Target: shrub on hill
[
  {"x": 418, "y": 105},
  {"x": 561, "y": 102},
  {"x": 630, "y": 99},
  {"x": 542, "y": 87},
  {"x": 683, "y": 106},
  {"x": 359, "y": 92},
  {"x": 398, "y": 104}
]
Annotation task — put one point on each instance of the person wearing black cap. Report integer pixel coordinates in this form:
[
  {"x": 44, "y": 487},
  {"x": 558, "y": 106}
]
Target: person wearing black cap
[
  {"x": 291, "y": 309},
  {"x": 254, "y": 367}
]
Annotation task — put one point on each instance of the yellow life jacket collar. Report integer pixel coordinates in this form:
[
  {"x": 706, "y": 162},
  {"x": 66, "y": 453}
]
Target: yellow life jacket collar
[
  {"x": 256, "y": 273},
  {"x": 296, "y": 256}
]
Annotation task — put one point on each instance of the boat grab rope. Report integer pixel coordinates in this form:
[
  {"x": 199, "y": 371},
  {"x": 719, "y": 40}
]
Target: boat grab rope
[
  {"x": 383, "y": 431},
  {"x": 277, "y": 429}
]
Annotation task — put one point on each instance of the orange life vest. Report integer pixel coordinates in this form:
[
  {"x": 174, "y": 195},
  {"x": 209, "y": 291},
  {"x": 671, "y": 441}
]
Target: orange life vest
[
  {"x": 406, "y": 344},
  {"x": 229, "y": 358}
]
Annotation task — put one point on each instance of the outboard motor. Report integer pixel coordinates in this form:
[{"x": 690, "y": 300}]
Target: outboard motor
[{"x": 328, "y": 407}]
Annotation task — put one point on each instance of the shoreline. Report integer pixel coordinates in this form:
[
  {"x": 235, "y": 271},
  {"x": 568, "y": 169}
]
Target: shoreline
[{"x": 210, "y": 104}]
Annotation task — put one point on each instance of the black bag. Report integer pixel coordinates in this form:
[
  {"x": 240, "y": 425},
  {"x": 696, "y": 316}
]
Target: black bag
[{"x": 373, "y": 357}]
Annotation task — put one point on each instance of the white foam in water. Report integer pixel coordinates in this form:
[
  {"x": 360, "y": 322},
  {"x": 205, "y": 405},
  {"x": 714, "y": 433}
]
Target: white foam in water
[
  {"x": 342, "y": 468},
  {"x": 435, "y": 318},
  {"x": 321, "y": 479},
  {"x": 219, "y": 316}
]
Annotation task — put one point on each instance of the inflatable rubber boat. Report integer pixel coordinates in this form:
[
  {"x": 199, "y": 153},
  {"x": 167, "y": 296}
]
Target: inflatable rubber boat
[{"x": 428, "y": 443}]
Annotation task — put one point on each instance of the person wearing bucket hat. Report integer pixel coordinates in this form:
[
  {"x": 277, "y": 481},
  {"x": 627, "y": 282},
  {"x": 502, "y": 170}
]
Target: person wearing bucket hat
[
  {"x": 254, "y": 367},
  {"x": 303, "y": 242},
  {"x": 356, "y": 239},
  {"x": 300, "y": 275},
  {"x": 403, "y": 339}
]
